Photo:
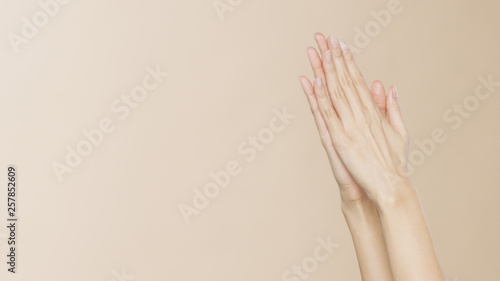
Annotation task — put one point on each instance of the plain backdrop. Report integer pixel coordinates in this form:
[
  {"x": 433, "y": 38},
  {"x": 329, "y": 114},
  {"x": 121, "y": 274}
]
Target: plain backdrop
[{"x": 116, "y": 215}]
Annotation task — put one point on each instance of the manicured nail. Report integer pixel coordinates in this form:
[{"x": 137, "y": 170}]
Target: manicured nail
[
  {"x": 334, "y": 41},
  {"x": 344, "y": 47},
  {"x": 319, "y": 83},
  {"x": 328, "y": 55},
  {"x": 395, "y": 92}
]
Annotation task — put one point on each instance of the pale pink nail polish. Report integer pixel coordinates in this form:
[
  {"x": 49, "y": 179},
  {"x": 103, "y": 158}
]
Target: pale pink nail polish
[
  {"x": 328, "y": 55},
  {"x": 334, "y": 41},
  {"x": 319, "y": 83},
  {"x": 395, "y": 92},
  {"x": 344, "y": 47}
]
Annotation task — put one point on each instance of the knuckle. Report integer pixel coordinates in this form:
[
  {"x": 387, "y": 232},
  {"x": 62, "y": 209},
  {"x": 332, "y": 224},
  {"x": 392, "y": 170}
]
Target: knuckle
[
  {"x": 337, "y": 53},
  {"x": 348, "y": 57},
  {"x": 321, "y": 94},
  {"x": 330, "y": 113},
  {"x": 318, "y": 68},
  {"x": 346, "y": 80},
  {"x": 338, "y": 92},
  {"x": 358, "y": 80}
]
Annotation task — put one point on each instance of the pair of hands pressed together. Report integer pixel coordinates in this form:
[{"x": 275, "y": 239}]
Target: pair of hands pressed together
[
  {"x": 366, "y": 141},
  {"x": 361, "y": 129}
]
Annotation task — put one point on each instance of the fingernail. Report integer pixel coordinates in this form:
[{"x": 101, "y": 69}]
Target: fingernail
[
  {"x": 328, "y": 55},
  {"x": 319, "y": 83},
  {"x": 395, "y": 92},
  {"x": 334, "y": 41},
  {"x": 344, "y": 47}
]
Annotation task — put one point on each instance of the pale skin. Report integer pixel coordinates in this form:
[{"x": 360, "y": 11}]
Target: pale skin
[{"x": 366, "y": 140}]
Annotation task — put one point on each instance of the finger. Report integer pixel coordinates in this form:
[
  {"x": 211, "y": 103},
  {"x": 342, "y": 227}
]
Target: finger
[
  {"x": 344, "y": 79},
  {"x": 326, "y": 140},
  {"x": 316, "y": 65},
  {"x": 359, "y": 82},
  {"x": 324, "y": 134},
  {"x": 327, "y": 110},
  {"x": 321, "y": 41},
  {"x": 337, "y": 93},
  {"x": 378, "y": 93},
  {"x": 394, "y": 113},
  {"x": 367, "y": 118}
]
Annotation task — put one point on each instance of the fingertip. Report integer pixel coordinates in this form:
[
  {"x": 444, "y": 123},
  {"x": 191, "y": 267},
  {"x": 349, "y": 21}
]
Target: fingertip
[
  {"x": 377, "y": 87},
  {"x": 391, "y": 96},
  {"x": 394, "y": 112},
  {"x": 305, "y": 83},
  {"x": 311, "y": 53},
  {"x": 301, "y": 79},
  {"x": 321, "y": 41}
]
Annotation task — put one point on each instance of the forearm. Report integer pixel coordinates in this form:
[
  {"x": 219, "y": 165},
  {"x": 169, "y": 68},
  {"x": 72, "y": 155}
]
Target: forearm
[
  {"x": 367, "y": 141},
  {"x": 368, "y": 238},
  {"x": 409, "y": 242}
]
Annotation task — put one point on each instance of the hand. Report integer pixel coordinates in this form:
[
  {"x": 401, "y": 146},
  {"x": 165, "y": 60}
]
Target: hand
[
  {"x": 362, "y": 131},
  {"x": 350, "y": 191}
]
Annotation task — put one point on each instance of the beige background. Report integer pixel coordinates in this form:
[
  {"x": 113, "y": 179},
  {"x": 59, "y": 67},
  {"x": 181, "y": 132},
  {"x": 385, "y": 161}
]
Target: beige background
[{"x": 119, "y": 209}]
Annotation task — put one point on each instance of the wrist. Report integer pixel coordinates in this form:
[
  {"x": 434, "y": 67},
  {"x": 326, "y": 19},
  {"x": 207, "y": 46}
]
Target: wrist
[
  {"x": 397, "y": 195},
  {"x": 358, "y": 207}
]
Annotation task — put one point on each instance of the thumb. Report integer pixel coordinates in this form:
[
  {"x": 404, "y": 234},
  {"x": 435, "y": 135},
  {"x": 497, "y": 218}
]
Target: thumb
[{"x": 394, "y": 113}]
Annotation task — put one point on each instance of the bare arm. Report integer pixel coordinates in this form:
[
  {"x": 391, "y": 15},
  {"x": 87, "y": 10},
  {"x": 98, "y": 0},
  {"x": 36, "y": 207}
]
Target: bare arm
[
  {"x": 368, "y": 238},
  {"x": 368, "y": 154},
  {"x": 360, "y": 212},
  {"x": 407, "y": 236}
]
